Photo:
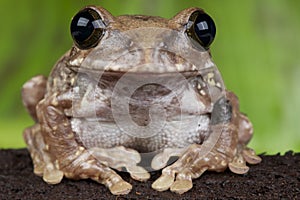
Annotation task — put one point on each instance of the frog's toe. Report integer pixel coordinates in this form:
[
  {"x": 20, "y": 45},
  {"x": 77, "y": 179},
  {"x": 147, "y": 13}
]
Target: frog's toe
[
  {"x": 53, "y": 176},
  {"x": 250, "y": 156},
  {"x": 120, "y": 188},
  {"x": 181, "y": 186},
  {"x": 238, "y": 165},
  {"x": 164, "y": 182},
  {"x": 183, "y": 183},
  {"x": 138, "y": 173}
]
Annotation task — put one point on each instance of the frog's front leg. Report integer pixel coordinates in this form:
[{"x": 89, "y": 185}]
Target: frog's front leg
[
  {"x": 224, "y": 147},
  {"x": 65, "y": 154}
]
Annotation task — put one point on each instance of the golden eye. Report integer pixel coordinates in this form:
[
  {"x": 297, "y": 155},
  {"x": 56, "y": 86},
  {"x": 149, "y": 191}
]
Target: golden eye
[
  {"x": 201, "y": 29},
  {"x": 87, "y": 28}
]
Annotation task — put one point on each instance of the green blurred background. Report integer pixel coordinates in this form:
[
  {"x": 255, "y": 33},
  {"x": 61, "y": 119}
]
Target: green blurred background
[{"x": 257, "y": 50}]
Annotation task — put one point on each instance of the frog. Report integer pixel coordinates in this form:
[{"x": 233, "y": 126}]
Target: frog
[{"x": 136, "y": 93}]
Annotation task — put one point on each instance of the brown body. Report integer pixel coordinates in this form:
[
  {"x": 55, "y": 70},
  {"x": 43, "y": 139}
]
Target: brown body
[{"x": 143, "y": 90}]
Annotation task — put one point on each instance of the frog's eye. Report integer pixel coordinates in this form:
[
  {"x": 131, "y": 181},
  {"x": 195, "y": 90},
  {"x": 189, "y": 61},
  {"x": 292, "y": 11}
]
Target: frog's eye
[
  {"x": 201, "y": 29},
  {"x": 87, "y": 28}
]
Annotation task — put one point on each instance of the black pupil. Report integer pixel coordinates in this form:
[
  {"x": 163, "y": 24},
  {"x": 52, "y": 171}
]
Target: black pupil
[
  {"x": 205, "y": 28},
  {"x": 83, "y": 26}
]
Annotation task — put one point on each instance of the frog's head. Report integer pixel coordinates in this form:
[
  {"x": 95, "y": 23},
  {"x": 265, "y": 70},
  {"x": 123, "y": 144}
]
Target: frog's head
[
  {"x": 141, "y": 71},
  {"x": 141, "y": 44}
]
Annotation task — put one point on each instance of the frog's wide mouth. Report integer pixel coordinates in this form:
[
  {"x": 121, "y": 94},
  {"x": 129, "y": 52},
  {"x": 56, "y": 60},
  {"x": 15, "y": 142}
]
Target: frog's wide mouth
[
  {"x": 140, "y": 73},
  {"x": 143, "y": 61}
]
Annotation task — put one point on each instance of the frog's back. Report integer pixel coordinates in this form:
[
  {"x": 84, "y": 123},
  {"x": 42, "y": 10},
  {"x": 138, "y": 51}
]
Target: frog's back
[{"x": 128, "y": 22}]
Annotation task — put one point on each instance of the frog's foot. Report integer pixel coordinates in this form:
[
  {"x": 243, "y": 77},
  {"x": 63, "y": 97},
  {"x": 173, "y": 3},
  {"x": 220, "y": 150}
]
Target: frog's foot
[
  {"x": 83, "y": 166},
  {"x": 178, "y": 176},
  {"x": 86, "y": 166},
  {"x": 41, "y": 159},
  {"x": 121, "y": 157},
  {"x": 192, "y": 164},
  {"x": 244, "y": 154}
]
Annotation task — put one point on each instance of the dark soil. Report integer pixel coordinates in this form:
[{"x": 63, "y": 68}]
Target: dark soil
[{"x": 277, "y": 177}]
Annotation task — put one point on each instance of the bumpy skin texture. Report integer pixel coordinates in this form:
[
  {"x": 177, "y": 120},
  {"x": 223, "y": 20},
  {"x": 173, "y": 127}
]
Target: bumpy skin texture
[{"x": 66, "y": 141}]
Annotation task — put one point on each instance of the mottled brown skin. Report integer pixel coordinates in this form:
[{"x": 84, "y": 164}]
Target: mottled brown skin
[{"x": 58, "y": 143}]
